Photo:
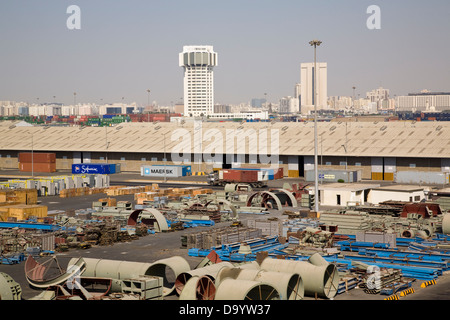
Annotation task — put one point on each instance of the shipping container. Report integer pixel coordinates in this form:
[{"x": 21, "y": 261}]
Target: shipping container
[
  {"x": 37, "y": 157},
  {"x": 232, "y": 175},
  {"x": 422, "y": 177},
  {"x": 165, "y": 171},
  {"x": 37, "y": 167},
  {"x": 334, "y": 175},
  {"x": 91, "y": 168},
  {"x": 267, "y": 173}
]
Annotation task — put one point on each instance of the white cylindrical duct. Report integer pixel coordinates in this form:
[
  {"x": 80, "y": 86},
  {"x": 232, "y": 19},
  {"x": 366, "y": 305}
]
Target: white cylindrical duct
[
  {"x": 114, "y": 269},
  {"x": 322, "y": 280},
  {"x": 119, "y": 270},
  {"x": 210, "y": 271},
  {"x": 198, "y": 288},
  {"x": 288, "y": 285},
  {"x": 176, "y": 264},
  {"x": 231, "y": 289},
  {"x": 408, "y": 233},
  {"x": 9, "y": 288},
  {"x": 446, "y": 223}
]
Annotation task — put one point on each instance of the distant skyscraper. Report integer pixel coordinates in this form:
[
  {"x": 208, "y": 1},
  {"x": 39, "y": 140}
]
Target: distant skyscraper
[
  {"x": 258, "y": 103},
  {"x": 198, "y": 63},
  {"x": 308, "y": 83},
  {"x": 379, "y": 96}
]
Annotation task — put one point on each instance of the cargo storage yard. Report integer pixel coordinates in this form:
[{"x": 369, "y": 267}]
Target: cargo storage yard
[
  {"x": 110, "y": 239},
  {"x": 225, "y": 159}
]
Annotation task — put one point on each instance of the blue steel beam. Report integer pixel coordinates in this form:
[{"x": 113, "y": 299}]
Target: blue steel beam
[{"x": 25, "y": 225}]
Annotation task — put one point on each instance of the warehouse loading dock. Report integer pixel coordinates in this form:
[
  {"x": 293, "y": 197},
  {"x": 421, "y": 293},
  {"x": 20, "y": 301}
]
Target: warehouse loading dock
[{"x": 381, "y": 151}]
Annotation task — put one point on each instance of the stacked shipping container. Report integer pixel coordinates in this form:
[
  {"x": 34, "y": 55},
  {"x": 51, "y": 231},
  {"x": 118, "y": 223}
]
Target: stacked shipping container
[{"x": 37, "y": 162}]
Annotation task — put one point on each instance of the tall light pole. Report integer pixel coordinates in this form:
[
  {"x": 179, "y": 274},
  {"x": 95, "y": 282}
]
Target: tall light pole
[
  {"x": 165, "y": 159},
  {"x": 315, "y": 44},
  {"x": 148, "y": 105},
  {"x": 32, "y": 156}
]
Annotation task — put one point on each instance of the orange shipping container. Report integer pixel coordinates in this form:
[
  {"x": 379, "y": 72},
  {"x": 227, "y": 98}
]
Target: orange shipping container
[
  {"x": 37, "y": 157},
  {"x": 37, "y": 167}
]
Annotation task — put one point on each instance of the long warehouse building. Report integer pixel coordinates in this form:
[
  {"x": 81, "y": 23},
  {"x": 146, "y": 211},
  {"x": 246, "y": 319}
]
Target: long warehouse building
[{"x": 379, "y": 150}]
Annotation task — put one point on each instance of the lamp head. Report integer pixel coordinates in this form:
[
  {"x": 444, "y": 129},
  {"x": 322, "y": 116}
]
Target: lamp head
[{"x": 315, "y": 43}]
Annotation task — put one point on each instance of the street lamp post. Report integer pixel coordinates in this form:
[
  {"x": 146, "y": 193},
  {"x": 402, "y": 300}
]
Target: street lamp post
[
  {"x": 32, "y": 156},
  {"x": 315, "y": 44},
  {"x": 148, "y": 105},
  {"x": 165, "y": 159}
]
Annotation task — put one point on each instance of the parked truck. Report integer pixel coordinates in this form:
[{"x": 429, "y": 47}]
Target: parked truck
[
  {"x": 256, "y": 178},
  {"x": 227, "y": 176}
]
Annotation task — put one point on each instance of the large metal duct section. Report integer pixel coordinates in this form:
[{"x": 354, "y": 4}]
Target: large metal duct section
[
  {"x": 120, "y": 270},
  {"x": 162, "y": 267},
  {"x": 149, "y": 216},
  {"x": 9, "y": 289},
  {"x": 289, "y": 285},
  {"x": 233, "y": 289},
  {"x": 198, "y": 288},
  {"x": 319, "y": 277},
  {"x": 43, "y": 275},
  {"x": 286, "y": 197},
  {"x": 210, "y": 271},
  {"x": 227, "y": 204},
  {"x": 446, "y": 223},
  {"x": 264, "y": 199}
]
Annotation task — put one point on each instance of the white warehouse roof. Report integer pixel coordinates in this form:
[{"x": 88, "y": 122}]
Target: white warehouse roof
[{"x": 370, "y": 139}]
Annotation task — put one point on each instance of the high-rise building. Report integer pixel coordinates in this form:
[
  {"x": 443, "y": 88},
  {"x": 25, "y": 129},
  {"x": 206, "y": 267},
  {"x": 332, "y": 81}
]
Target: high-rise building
[
  {"x": 424, "y": 101},
  {"x": 258, "y": 103},
  {"x": 198, "y": 63},
  {"x": 308, "y": 86},
  {"x": 288, "y": 105},
  {"x": 379, "y": 96}
]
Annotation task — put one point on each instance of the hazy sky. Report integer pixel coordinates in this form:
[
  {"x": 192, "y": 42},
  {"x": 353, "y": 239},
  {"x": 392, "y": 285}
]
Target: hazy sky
[{"x": 127, "y": 47}]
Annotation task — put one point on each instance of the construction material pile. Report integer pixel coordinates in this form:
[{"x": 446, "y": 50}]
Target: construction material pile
[
  {"x": 64, "y": 186},
  {"x": 220, "y": 236}
]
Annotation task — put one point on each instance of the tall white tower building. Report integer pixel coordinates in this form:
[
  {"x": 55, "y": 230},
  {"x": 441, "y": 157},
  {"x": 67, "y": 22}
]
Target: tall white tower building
[
  {"x": 198, "y": 63},
  {"x": 307, "y": 86}
]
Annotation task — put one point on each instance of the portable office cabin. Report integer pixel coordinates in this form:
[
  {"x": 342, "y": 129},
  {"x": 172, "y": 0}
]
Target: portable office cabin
[
  {"x": 408, "y": 193},
  {"x": 344, "y": 194}
]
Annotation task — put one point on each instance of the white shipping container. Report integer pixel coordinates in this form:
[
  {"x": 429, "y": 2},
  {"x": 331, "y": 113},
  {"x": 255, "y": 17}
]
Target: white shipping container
[{"x": 162, "y": 171}]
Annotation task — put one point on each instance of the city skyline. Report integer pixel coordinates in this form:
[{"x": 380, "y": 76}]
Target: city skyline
[{"x": 125, "y": 48}]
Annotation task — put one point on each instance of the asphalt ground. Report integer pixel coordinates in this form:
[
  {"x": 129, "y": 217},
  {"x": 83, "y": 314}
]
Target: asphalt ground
[{"x": 158, "y": 246}]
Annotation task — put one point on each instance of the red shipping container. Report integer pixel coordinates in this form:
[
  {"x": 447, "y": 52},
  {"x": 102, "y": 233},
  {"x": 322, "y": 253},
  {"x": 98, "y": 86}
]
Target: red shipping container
[
  {"x": 240, "y": 175},
  {"x": 37, "y": 157},
  {"x": 37, "y": 167}
]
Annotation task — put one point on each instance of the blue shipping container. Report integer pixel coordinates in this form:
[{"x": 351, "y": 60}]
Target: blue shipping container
[{"x": 91, "y": 168}]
